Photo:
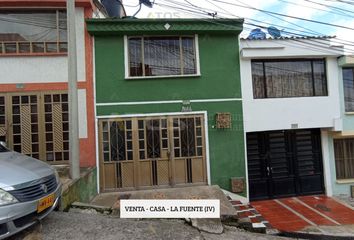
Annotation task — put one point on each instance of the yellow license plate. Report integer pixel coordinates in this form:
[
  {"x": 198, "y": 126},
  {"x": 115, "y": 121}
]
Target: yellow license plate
[{"x": 45, "y": 203}]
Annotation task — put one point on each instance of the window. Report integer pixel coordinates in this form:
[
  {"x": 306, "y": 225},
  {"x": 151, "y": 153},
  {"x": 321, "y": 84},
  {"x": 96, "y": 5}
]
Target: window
[
  {"x": 344, "y": 156},
  {"x": 32, "y": 31},
  {"x": 161, "y": 56},
  {"x": 348, "y": 86},
  {"x": 288, "y": 78}
]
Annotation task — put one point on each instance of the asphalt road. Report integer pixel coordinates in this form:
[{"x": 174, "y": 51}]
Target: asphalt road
[{"x": 83, "y": 226}]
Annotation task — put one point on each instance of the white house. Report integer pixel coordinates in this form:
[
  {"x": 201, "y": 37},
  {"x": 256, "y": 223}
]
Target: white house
[{"x": 293, "y": 109}]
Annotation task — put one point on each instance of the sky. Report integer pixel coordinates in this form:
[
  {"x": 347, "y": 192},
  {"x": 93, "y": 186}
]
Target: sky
[{"x": 337, "y": 12}]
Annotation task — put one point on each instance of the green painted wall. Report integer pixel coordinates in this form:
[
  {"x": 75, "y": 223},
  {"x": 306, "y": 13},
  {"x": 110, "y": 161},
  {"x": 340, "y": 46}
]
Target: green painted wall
[
  {"x": 83, "y": 189},
  {"x": 220, "y": 78},
  {"x": 226, "y": 147}
]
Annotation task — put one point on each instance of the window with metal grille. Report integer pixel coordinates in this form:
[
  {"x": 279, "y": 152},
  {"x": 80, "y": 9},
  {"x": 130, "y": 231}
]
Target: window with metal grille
[
  {"x": 162, "y": 56},
  {"x": 348, "y": 86},
  {"x": 289, "y": 78},
  {"x": 344, "y": 157},
  {"x": 33, "y": 31}
]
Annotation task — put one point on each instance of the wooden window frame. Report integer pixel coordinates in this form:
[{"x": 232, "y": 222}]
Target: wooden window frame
[
  {"x": 32, "y": 44},
  {"x": 127, "y": 61}
]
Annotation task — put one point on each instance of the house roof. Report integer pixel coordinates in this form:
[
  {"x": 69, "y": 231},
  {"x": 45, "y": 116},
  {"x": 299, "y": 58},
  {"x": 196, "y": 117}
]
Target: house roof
[
  {"x": 290, "y": 38},
  {"x": 283, "y": 47},
  {"x": 129, "y": 26}
]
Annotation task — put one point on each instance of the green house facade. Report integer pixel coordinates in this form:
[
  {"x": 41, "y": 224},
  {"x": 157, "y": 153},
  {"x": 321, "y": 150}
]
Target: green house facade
[{"x": 168, "y": 103}]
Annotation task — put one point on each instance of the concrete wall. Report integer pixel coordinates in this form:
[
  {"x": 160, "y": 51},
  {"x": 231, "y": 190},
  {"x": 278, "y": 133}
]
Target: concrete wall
[
  {"x": 82, "y": 190},
  {"x": 338, "y": 187},
  {"x": 281, "y": 113},
  {"x": 341, "y": 187}
]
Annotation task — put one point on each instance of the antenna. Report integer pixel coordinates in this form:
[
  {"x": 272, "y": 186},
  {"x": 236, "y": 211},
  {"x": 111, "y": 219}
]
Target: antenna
[
  {"x": 213, "y": 14},
  {"x": 147, "y": 3},
  {"x": 274, "y": 32},
  {"x": 256, "y": 34}
]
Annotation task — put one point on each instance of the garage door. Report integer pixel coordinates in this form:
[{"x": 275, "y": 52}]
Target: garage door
[
  {"x": 152, "y": 152},
  {"x": 284, "y": 163}
]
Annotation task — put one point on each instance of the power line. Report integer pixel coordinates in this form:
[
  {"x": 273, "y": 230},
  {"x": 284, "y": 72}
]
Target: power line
[
  {"x": 284, "y": 15},
  {"x": 329, "y": 6},
  {"x": 315, "y": 45},
  {"x": 323, "y": 10},
  {"x": 255, "y": 20},
  {"x": 338, "y": 40},
  {"x": 264, "y": 27}
]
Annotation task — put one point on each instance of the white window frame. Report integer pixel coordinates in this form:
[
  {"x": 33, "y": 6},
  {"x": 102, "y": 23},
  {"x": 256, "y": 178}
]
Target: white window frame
[{"x": 126, "y": 61}]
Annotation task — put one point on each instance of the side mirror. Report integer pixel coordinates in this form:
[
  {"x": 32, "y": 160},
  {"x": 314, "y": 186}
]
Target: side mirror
[{"x": 3, "y": 144}]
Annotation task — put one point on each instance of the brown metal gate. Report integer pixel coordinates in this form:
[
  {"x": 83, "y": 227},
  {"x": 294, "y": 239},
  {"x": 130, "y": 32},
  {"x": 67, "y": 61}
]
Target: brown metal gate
[
  {"x": 152, "y": 152},
  {"x": 36, "y": 124}
]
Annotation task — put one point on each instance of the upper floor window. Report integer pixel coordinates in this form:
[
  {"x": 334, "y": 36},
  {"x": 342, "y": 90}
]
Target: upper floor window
[
  {"x": 348, "y": 86},
  {"x": 162, "y": 56},
  {"x": 33, "y": 31},
  {"x": 289, "y": 78}
]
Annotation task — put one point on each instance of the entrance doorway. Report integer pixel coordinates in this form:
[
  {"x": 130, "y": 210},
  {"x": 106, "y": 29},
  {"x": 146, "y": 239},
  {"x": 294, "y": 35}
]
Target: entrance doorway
[
  {"x": 152, "y": 152},
  {"x": 284, "y": 163},
  {"x": 36, "y": 124}
]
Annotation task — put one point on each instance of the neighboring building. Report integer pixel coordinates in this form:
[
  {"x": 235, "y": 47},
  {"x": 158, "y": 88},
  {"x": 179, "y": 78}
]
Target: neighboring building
[
  {"x": 342, "y": 149},
  {"x": 168, "y": 103},
  {"x": 34, "y": 74},
  {"x": 293, "y": 107}
]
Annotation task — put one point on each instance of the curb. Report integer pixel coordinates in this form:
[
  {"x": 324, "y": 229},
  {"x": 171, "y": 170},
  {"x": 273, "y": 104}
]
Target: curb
[{"x": 314, "y": 236}]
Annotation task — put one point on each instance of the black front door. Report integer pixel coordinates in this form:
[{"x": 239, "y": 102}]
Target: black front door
[{"x": 284, "y": 163}]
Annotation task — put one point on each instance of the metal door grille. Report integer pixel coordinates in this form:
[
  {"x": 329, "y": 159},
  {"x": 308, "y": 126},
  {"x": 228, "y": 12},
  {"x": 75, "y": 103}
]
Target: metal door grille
[
  {"x": 117, "y": 153},
  {"x": 143, "y": 153}
]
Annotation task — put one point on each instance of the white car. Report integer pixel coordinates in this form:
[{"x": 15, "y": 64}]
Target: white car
[{"x": 29, "y": 190}]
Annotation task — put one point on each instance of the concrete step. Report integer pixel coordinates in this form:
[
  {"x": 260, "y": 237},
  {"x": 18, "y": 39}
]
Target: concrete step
[
  {"x": 250, "y": 219},
  {"x": 63, "y": 170}
]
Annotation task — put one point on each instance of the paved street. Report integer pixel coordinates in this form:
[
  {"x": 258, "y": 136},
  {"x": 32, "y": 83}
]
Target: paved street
[{"x": 61, "y": 225}]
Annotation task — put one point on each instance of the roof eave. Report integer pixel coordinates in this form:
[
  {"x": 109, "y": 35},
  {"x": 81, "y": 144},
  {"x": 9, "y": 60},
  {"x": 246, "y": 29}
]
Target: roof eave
[{"x": 165, "y": 26}]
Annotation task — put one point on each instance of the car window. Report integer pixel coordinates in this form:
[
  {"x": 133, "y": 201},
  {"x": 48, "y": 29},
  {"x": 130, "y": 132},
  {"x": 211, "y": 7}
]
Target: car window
[{"x": 3, "y": 149}]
